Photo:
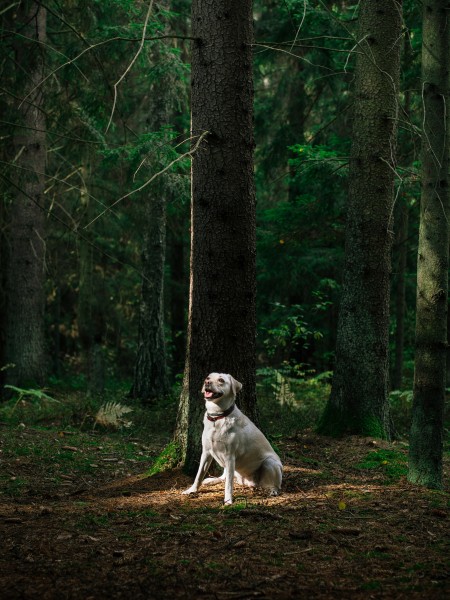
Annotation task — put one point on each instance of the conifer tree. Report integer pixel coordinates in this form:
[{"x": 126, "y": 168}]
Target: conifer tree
[
  {"x": 26, "y": 246},
  {"x": 221, "y": 329},
  {"x": 426, "y": 438},
  {"x": 358, "y": 403}
]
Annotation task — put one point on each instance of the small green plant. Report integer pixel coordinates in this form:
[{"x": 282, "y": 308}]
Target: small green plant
[
  {"x": 288, "y": 403},
  {"x": 14, "y": 486},
  {"x": 391, "y": 463},
  {"x": 21, "y": 394}
]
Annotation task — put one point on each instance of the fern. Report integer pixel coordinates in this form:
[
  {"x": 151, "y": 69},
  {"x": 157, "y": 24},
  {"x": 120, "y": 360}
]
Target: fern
[
  {"x": 33, "y": 394},
  {"x": 282, "y": 390},
  {"x": 111, "y": 414}
]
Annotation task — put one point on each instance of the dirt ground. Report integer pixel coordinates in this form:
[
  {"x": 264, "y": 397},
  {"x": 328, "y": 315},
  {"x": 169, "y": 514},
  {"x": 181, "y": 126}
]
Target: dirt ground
[{"x": 338, "y": 530}]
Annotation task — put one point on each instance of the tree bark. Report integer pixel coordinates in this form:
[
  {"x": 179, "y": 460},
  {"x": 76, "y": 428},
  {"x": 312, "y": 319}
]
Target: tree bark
[
  {"x": 426, "y": 438},
  {"x": 296, "y": 118},
  {"x": 177, "y": 301},
  {"x": 150, "y": 372},
  {"x": 222, "y": 321},
  {"x": 358, "y": 403},
  {"x": 400, "y": 300},
  {"x": 25, "y": 294},
  {"x": 90, "y": 317}
]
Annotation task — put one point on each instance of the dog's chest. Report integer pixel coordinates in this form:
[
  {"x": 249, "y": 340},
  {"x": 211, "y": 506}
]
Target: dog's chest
[{"x": 220, "y": 434}]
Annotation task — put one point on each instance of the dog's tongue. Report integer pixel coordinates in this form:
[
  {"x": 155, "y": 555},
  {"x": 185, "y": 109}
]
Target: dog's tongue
[{"x": 209, "y": 394}]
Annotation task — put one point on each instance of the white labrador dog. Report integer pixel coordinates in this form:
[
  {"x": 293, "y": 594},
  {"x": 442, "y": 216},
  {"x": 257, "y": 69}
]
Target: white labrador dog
[{"x": 234, "y": 442}]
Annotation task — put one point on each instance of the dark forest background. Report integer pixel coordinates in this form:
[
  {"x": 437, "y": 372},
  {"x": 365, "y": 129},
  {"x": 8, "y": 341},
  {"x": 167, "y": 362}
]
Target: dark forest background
[{"x": 95, "y": 167}]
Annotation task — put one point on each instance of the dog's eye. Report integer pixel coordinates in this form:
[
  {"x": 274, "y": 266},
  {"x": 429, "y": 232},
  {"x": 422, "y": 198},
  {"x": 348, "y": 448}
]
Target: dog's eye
[{"x": 221, "y": 380}]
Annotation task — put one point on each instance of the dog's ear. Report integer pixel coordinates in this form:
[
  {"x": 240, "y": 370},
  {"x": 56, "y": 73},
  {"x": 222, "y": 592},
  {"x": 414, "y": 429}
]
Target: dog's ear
[{"x": 236, "y": 386}]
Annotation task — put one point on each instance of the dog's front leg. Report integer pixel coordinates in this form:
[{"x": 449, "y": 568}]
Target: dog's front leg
[
  {"x": 205, "y": 462},
  {"x": 229, "y": 480}
]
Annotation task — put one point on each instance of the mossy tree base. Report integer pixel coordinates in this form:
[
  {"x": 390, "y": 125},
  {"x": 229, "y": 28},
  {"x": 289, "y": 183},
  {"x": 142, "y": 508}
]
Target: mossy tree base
[
  {"x": 169, "y": 458},
  {"x": 337, "y": 422}
]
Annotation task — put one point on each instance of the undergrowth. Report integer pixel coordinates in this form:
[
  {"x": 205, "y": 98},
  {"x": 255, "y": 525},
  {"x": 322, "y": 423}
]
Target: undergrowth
[{"x": 391, "y": 463}]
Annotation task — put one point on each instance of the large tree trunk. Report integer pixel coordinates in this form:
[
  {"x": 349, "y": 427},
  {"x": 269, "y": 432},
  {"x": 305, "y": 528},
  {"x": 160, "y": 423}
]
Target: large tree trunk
[
  {"x": 425, "y": 454},
  {"x": 358, "y": 403},
  {"x": 25, "y": 295},
  {"x": 221, "y": 328},
  {"x": 177, "y": 301}
]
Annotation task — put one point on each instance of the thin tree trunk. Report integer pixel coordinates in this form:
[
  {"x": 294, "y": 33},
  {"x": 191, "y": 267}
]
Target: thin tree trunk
[
  {"x": 150, "y": 372},
  {"x": 400, "y": 296},
  {"x": 402, "y": 224},
  {"x": 25, "y": 294},
  {"x": 425, "y": 453},
  {"x": 222, "y": 322},
  {"x": 90, "y": 318},
  {"x": 358, "y": 403},
  {"x": 296, "y": 118}
]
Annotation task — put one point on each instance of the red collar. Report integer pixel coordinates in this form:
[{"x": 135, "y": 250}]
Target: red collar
[{"x": 222, "y": 415}]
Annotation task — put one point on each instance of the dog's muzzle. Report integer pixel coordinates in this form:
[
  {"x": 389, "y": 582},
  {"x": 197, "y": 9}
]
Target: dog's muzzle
[{"x": 209, "y": 394}]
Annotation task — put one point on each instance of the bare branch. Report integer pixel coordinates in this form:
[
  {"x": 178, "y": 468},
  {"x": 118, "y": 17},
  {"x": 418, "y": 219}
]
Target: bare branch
[
  {"x": 74, "y": 230},
  {"x": 128, "y": 69},
  {"x": 144, "y": 185},
  {"x": 292, "y": 54},
  {"x": 9, "y": 7},
  {"x": 92, "y": 46},
  {"x": 301, "y": 24}
]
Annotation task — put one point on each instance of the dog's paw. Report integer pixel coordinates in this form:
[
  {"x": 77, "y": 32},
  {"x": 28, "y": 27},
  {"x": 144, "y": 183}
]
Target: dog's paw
[
  {"x": 189, "y": 491},
  {"x": 273, "y": 492}
]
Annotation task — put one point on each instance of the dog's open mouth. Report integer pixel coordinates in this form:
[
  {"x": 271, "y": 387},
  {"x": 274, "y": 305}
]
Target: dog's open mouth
[{"x": 210, "y": 395}]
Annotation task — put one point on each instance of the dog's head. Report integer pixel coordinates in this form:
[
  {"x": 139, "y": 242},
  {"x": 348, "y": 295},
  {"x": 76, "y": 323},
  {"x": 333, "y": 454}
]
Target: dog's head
[{"x": 219, "y": 385}]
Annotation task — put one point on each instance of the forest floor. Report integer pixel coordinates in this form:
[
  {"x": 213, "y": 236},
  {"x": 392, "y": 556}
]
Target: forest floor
[{"x": 81, "y": 519}]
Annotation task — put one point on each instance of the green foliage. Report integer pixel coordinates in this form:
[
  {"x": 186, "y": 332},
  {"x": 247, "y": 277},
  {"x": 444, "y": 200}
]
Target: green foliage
[
  {"x": 30, "y": 393},
  {"x": 76, "y": 412},
  {"x": 288, "y": 404},
  {"x": 308, "y": 160},
  {"x": 391, "y": 463},
  {"x": 400, "y": 405},
  {"x": 38, "y": 401},
  {"x": 290, "y": 329}
]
